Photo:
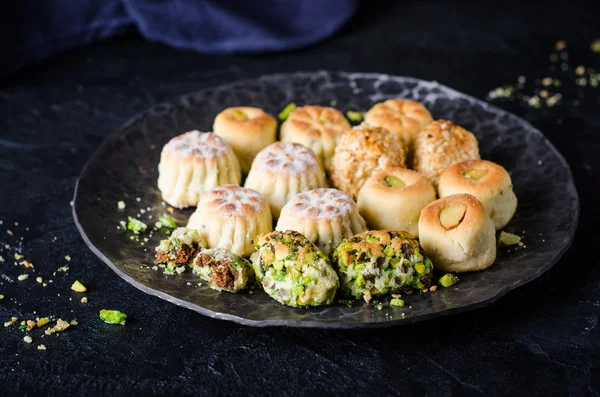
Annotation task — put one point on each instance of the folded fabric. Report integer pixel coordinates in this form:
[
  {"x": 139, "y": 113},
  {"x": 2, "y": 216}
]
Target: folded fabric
[{"x": 32, "y": 30}]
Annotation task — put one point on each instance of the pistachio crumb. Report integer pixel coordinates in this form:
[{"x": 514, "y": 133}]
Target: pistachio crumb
[
  {"x": 84, "y": 300},
  {"x": 23, "y": 277},
  {"x": 121, "y": 205},
  {"x": 78, "y": 287},
  {"x": 39, "y": 280},
  {"x": 27, "y": 339},
  {"x": 41, "y": 347},
  {"x": 433, "y": 288}
]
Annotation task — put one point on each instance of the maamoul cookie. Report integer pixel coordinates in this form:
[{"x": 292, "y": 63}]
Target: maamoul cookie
[
  {"x": 403, "y": 117},
  {"x": 316, "y": 127},
  {"x": 324, "y": 216},
  {"x": 282, "y": 170},
  {"x": 248, "y": 130},
  {"x": 393, "y": 199},
  {"x": 222, "y": 269},
  {"x": 231, "y": 217},
  {"x": 488, "y": 182},
  {"x": 180, "y": 248},
  {"x": 377, "y": 262},
  {"x": 457, "y": 234},
  {"x": 193, "y": 163},
  {"x": 294, "y": 271},
  {"x": 441, "y": 144},
  {"x": 362, "y": 151}
]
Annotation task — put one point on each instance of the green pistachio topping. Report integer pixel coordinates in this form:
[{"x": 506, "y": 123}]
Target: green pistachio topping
[
  {"x": 395, "y": 182},
  {"x": 397, "y": 302},
  {"x": 285, "y": 113},
  {"x": 136, "y": 225},
  {"x": 448, "y": 280},
  {"x": 507, "y": 239},
  {"x": 354, "y": 116},
  {"x": 113, "y": 316},
  {"x": 167, "y": 221}
]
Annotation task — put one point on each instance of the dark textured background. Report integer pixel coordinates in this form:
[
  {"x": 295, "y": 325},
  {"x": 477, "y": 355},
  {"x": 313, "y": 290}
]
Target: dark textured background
[{"x": 541, "y": 339}]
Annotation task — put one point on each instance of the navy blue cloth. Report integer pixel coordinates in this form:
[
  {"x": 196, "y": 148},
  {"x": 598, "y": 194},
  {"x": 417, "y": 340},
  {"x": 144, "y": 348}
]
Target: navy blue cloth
[{"x": 32, "y": 30}]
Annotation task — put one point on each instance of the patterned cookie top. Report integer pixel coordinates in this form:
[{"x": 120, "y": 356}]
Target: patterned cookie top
[
  {"x": 321, "y": 203},
  {"x": 400, "y": 110},
  {"x": 233, "y": 201},
  {"x": 316, "y": 121},
  {"x": 286, "y": 158},
  {"x": 196, "y": 144}
]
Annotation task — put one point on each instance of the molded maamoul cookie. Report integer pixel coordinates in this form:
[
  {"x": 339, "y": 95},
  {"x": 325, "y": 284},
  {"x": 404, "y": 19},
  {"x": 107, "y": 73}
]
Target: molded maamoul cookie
[
  {"x": 441, "y": 144},
  {"x": 324, "y": 216},
  {"x": 457, "y": 234},
  {"x": 362, "y": 151},
  {"x": 193, "y": 163},
  {"x": 231, "y": 217},
  {"x": 403, "y": 117},
  {"x": 282, "y": 170},
  {"x": 488, "y": 182},
  {"x": 248, "y": 130},
  {"x": 316, "y": 127},
  {"x": 393, "y": 199}
]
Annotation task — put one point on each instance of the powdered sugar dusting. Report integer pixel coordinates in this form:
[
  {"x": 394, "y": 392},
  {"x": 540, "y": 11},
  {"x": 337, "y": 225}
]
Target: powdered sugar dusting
[
  {"x": 288, "y": 158},
  {"x": 321, "y": 203},
  {"x": 197, "y": 144},
  {"x": 234, "y": 200}
]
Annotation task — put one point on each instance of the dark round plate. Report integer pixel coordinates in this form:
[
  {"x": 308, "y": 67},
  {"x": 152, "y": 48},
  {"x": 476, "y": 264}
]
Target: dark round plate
[{"x": 125, "y": 168}]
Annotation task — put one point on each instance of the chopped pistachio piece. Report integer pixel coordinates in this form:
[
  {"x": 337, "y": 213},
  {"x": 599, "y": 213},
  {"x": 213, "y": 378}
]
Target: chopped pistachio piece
[
  {"x": 27, "y": 339},
  {"x": 397, "y": 302},
  {"x": 42, "y": 321},
  {"x": 136, "y": 225},
  {"x": 41, "y": 347},
  {"x": 285, "y": 113},
  {"x": 507, "y": 239},
  {"x": 113, "y": 316},
  {"x": 167, "y": 221},
  {"x": 448, "y": 280},
  {"x": 121, "y": 205},
  {"x": 78, "y": 287},
  {"x": 596, "y": 46},
  {"x": 354, "y": 116}
]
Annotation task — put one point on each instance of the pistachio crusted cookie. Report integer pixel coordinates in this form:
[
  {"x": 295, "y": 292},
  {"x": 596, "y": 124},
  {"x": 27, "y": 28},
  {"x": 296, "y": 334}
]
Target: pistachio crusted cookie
[
  {"x": 378, "y": 262},
  {"x": 180, "y": 248},
  {"x": 222, "y": 269},
  {"x": 294, "y": 271}
]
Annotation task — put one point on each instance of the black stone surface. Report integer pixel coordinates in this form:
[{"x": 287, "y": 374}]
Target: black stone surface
[
  {"x": 125, "y": 168},
  {"x": 542, "y": 339}
]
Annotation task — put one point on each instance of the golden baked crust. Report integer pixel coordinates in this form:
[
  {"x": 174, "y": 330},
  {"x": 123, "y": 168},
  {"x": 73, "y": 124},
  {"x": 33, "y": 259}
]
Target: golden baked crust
[
  {"x": 468, "y": 246},
  {"x": 395, "y": 208},
  {"x": 404, "y": 117},
  {"x": 317, "y": 128},
  {"x": 488, "y": 182},
  {"x": 360, "y": 152},
  {"x": 441, "y": 144},
  {"x": 248, "y": 130}
]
